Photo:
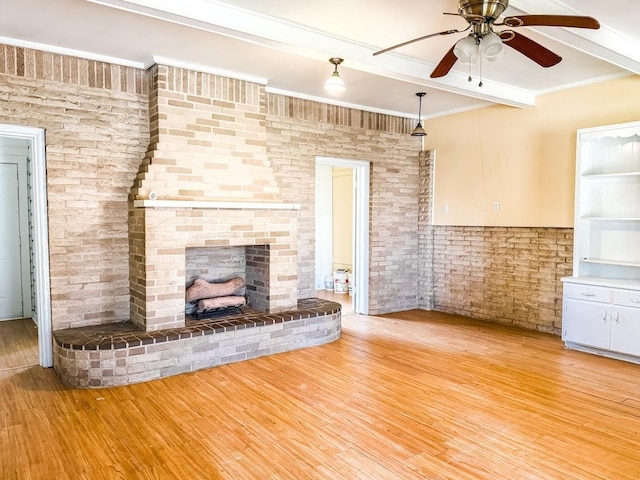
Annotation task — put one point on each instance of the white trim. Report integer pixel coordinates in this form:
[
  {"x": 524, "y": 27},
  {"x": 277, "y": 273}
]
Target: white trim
[
  {"x": 172, "y": 62},
  {"x": 41, "y": 235},
  {"x": 584, "y": 83},
  {"x": 27, "y": 308},
  {"x": 361, "y": 170},
  {"x": 604, "y": 43},
  {"x": 337, "y": 103},
  {"x": 70, "y": 52},
  {"x": 285, "y": 36},
  {"x": 215, "y": 205},
  {"x": 366, "y": 108}
]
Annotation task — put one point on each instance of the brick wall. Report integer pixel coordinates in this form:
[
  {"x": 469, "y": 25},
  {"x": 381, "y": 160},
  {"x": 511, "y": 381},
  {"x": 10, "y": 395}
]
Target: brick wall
[
  {"x": 499, "y": 274},
  {"x": 504, "y": 275},
  {"x": 298, "y": 131},
  {"x": 208, "y": 139},
  {"x": 96, "y": 122},
  {"x": 425, "y": 232},
  {"x": 208, "y": 144}
]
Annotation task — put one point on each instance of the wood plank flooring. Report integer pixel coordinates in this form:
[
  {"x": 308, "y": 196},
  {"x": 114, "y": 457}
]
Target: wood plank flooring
[
  {"x": 413, "y": 395},
  {"x": 18, "y": 344}
]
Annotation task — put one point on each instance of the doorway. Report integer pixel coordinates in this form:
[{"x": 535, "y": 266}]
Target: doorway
[
  {"x": 360, "y": 171},
  {"x": 15, "y": 258},
  {"x": 25, "y": 238}
]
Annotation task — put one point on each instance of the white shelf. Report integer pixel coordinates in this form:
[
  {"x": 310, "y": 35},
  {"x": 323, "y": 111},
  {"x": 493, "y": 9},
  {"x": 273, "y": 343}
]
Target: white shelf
[
  {"x": 612, "y": 219},
  {"x": 604, "y": 261},
  {"x": 603, "y": 282},
  {"x": 607, "y": 221},
  {"x": 596, "y": 176},
  {"x": 600, "y": 300}
]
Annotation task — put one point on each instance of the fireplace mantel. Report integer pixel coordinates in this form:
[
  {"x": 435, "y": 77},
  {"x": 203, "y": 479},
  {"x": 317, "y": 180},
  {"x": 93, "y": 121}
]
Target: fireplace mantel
[{"x": 214, "y": 205}]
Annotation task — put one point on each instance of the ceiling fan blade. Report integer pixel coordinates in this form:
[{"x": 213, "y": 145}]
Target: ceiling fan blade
[
  {"x": 536, "y": 52},
  {"x": 446, "y": 32},
  {"x": 572, "y": 21},
  {"x": 445, "y": 65}
]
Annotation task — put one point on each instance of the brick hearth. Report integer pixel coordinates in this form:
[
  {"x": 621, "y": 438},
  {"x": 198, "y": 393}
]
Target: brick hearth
[{"x": 121, "y": 354}]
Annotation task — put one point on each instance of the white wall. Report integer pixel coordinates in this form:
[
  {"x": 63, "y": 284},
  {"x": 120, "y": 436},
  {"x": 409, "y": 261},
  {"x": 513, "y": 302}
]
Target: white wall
[{"x": 324, "y": 223}]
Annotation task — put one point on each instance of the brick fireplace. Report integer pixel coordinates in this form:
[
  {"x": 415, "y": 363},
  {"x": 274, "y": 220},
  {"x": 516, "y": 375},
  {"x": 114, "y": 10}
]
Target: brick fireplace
[
  {"x": 205, "y": 182},
  {"x": 161, "y": 235},
  {"x": 205, "y": 185}
]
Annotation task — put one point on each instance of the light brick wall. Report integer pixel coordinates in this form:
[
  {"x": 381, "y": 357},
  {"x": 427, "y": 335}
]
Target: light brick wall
[
  {"x": 96, "y": 126},
  {"x": 504, "y": 275},
  {"x": 208, "y": 139},
  {"x": 215, "y": 264},
  {"x": 97, "y": 123},
  {"x": 162, "y": 235},
  {"x": 425, "y": 232},
  {"x": 298, "y": 131},
  {"x": 208, "y": 143}
]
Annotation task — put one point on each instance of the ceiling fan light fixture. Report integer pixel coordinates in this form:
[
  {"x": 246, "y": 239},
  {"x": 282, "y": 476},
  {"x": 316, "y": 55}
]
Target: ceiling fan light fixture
[
  {"x": 419, "y": 131},
  {"x": 492, "y": 47},
  {"x": 334, "y": 83},
  {"x": 466, "y": 50}
]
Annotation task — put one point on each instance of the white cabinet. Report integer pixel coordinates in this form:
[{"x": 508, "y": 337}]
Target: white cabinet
[
  {"x": 601, "y": 301},
  {"x": 601, "y": 318}
]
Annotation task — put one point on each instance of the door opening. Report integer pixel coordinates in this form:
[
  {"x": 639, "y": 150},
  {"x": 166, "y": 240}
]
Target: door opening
[
  {"x": 325, "y": 258},
  {"x": 15, "y": 259},
  {"x": 34, "y": 237}
]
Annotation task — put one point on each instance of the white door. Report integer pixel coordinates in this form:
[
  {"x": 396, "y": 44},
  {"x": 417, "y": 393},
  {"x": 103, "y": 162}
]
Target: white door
[
  {"x": 10, "y": 249},
  {"x": 587, "y": 323},
  {"x": 625, "y": 330}
]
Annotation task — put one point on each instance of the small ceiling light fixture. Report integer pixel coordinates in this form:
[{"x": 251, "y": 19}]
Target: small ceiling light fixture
[
  {"x": 419, "y": 131},
  {"x": 335, "y": 84},
  {"x": 492, "y": 47},
  {"x": 481, "y": 43},
  {"x": 467, "y": 50}
]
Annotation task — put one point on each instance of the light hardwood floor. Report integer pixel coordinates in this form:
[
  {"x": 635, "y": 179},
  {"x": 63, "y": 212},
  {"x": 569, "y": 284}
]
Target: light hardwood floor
[
  {"x": 342, "y": 298},
  {"x": 413, "y": 395},
  {"x": 18, "y": 344}
]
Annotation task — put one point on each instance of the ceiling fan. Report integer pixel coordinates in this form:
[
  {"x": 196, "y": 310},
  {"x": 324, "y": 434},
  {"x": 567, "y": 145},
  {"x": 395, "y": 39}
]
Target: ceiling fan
[{"x": 483, "y": 41}]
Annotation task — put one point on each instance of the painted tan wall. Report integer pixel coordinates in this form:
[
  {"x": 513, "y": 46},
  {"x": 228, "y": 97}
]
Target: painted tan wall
[
  {"x": 522, "y": 158},
  {"x": 342, "y": 217}
]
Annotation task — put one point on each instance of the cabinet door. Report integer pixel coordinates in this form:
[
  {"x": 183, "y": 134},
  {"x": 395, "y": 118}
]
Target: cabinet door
[
  {"x": 625, "y": 330},
  {"x": 587, "y": 323}
]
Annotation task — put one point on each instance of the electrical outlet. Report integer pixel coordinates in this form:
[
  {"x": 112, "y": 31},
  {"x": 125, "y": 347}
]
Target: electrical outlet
[
  {"x": 445, "y": 208},
  {"x": 496, "y": 206}
]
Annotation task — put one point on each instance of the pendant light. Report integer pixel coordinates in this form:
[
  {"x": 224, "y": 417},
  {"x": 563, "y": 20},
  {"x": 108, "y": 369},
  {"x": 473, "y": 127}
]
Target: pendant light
[
  {"x": 335, "y": 84},
  {"x": 419, "y": 131}
]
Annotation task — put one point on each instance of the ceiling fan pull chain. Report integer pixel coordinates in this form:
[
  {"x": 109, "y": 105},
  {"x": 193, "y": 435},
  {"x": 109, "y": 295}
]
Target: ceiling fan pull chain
[{"x": 480, "y": 83}]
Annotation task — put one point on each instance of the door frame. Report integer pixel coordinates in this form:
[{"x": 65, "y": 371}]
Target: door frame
[
  {"x": 38, "y": 195},
  {"x": 361, "y": 174},
  {"x": 17, "y": 155}
]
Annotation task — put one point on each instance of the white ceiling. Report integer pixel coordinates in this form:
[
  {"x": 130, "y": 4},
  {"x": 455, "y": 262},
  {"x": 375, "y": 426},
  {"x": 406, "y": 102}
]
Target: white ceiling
[{"x": 287, "y": 43}]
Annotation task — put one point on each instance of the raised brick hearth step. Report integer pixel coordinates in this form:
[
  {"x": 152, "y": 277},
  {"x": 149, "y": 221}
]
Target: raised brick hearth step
[{"x": 120, "y": 353}]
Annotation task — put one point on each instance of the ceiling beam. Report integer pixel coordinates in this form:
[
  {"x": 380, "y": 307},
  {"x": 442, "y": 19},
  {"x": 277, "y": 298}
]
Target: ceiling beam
[
  {"x": 270, "y": 32},
  {"x": 605, "y": 43}
]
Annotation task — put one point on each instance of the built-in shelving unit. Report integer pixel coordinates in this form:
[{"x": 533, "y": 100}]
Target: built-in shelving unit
[{"x": 602, "y": 298}]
